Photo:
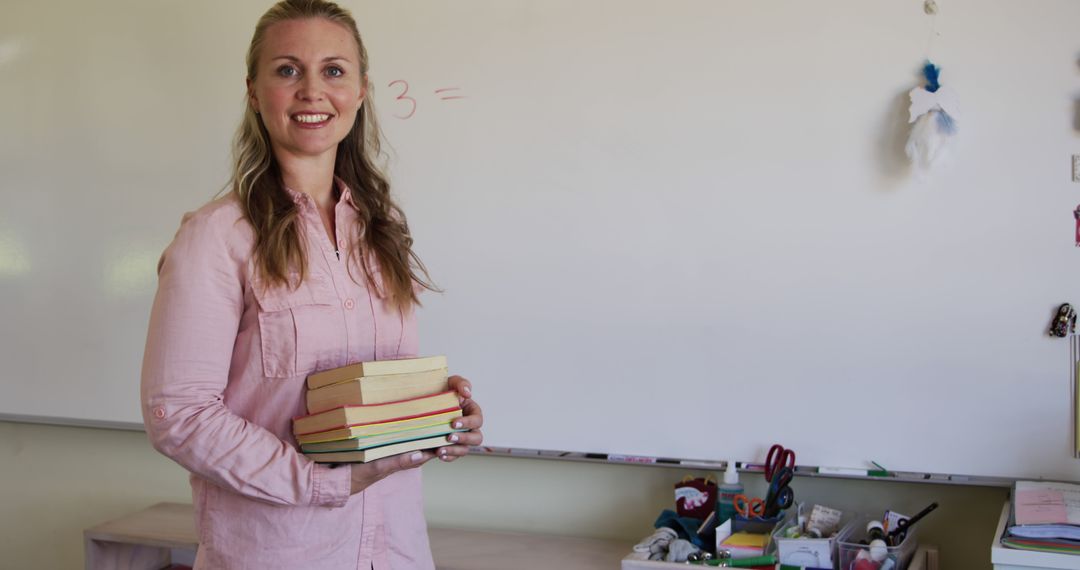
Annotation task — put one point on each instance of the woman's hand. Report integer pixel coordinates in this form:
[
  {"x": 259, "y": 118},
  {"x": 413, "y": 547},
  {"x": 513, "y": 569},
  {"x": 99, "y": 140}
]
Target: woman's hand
[
  {"x": 366, "y": 474},
  {"x": 473, "y": 420}
]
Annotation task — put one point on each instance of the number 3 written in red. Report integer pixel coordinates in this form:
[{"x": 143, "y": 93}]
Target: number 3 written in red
[{"x": 403, "y": 96}]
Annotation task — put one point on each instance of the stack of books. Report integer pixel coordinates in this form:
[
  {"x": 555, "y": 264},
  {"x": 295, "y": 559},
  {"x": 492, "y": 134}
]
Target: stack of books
[
  {"x": 1045, "y": 517},
  {"x": 366, "y": 411}
]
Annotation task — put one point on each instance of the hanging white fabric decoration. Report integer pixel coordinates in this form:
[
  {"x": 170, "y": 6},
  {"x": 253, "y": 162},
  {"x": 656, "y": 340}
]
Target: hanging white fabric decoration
[{"x": 934, "y": 111}]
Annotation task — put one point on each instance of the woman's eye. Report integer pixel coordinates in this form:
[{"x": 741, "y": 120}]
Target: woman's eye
[
  {"x": 287, "y": 71},
  {"x": 335, "y": 71}
]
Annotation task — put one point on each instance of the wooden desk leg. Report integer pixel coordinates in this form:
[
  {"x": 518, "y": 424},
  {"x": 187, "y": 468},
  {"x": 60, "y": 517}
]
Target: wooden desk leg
[
  {"x": 105, "y": 555},
  {"x": 918, "y": 561},
  {"x": 925, "y": 558}
]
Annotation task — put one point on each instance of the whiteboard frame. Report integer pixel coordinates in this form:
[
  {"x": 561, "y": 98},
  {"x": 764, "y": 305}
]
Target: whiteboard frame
[{"x": 606, "y": 458}]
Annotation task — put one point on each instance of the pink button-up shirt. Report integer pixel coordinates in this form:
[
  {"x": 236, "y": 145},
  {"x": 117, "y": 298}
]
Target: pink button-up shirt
[{"x": 223, "y": 375}]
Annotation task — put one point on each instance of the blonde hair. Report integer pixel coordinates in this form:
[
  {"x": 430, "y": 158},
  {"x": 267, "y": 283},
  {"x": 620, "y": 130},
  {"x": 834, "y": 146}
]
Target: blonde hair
[{"x": 383, "y": 232}]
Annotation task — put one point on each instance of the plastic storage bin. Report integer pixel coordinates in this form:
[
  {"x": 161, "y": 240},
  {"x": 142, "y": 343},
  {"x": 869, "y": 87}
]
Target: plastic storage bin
[
  {"x": 759, "y": 525},
  {"x": 849, "y": 546},
  {"x": 756, "y": 525},
  {"x": 811, "y": 552}
]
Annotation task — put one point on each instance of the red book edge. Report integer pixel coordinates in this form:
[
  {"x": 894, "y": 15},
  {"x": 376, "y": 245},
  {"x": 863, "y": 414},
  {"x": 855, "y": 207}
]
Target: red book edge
[
  {"x": 388, "y": 420},
  {"x": 373, "y": 405}
]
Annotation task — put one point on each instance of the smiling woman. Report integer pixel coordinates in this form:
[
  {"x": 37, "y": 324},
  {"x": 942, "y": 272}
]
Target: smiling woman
[
  {"x": 307, "y": 86},
  {"x": 306, "y": 265},
  {"x": 308, "y": 101}
]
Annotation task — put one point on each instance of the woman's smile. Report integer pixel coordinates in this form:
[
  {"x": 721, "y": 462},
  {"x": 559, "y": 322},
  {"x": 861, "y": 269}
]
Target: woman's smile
[{"x": 310, "y": 120}]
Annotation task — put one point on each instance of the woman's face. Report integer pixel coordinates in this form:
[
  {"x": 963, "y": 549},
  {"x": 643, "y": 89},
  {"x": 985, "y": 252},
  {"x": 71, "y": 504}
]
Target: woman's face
[{"x": 307, "y": 87}]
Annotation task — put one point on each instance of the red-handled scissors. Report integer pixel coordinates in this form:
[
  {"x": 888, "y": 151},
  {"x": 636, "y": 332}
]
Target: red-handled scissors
[{"x": 777, "y": 459}]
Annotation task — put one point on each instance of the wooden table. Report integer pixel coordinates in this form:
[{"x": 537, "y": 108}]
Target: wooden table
[
  {"x": 144, "y": 540},
  {"x": 141, "y": 540}
]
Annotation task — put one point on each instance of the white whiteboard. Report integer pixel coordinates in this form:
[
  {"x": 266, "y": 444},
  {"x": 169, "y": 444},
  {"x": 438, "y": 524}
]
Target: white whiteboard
[{"x": 664, "y": 228}]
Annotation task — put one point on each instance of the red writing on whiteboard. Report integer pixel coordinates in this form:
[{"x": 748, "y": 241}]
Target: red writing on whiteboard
[
  {"x": 404, "y": 96},
  {"x": 408, "y": 104},
  {"x": 447, "y": 93}
]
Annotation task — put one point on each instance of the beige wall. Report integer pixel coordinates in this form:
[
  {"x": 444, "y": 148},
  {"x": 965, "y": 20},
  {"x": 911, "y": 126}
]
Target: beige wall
[{"x": 59, "y": 480}]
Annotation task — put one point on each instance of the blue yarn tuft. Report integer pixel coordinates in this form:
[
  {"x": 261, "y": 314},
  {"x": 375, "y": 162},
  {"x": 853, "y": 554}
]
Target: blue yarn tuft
[
  {"x": 946, "y": 124},
  {"x": 931, "y": 72}
]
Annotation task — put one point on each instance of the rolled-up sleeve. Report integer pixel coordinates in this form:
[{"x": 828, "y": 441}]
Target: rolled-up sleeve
[{"x": 189, "y": 348}]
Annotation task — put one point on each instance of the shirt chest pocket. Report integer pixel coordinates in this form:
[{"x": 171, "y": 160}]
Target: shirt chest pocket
[
  {"x": 300, "y": 328},
  {"x": 389, "y": 324}
]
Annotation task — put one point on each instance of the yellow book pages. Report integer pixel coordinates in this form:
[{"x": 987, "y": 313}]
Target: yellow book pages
[
  {"x": 376, "y": 413},
  {"x": 377, "y": 429},
  {"x": 374, "y": 368},
  {"x": 377, "y": 390}
]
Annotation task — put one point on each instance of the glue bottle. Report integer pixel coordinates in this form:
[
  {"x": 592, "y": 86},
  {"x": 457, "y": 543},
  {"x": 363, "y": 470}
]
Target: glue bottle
[{"x": 725, "y": 506}]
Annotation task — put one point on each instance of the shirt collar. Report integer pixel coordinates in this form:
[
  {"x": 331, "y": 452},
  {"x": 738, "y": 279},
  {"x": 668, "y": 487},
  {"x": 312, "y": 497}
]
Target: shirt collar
[{"x": 345, "y": 195}]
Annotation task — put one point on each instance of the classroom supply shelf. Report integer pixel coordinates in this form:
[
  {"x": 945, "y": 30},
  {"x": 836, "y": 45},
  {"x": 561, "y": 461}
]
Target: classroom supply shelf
[{"x": 926, "y": 558}]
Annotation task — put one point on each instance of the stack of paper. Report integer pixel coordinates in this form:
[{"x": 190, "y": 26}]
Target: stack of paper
[
  {"x": 1045, "y": 517},
  {"x": 745, "y": 544}
]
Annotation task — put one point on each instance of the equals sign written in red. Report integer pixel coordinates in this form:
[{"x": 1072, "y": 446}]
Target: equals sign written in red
[{"x": 447, "y": 93}]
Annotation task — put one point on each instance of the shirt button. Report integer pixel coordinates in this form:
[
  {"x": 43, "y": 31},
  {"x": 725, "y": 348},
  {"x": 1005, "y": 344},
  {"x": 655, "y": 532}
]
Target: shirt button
[
  {"x": 159, "y": 413},
  {"x": 349, "y": 304},
  {"x": 341, "y": 244}
]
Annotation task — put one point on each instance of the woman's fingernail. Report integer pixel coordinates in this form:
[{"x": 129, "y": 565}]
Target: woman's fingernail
[
  {"x": 457, "y": 425},
  {"x": 416, "y": 457},
  {"x": 468, "y": 391},
  {"x": 442, "y": 452},
  {"x": 454, "y": 437}
]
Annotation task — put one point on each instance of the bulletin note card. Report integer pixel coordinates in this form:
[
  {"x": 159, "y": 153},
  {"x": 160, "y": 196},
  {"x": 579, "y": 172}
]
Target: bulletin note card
[{"x": 1046, "y": 503}]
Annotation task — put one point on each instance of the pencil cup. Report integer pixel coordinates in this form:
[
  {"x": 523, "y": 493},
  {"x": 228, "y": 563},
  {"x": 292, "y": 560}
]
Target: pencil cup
[{"x": 849, "y": 546}]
